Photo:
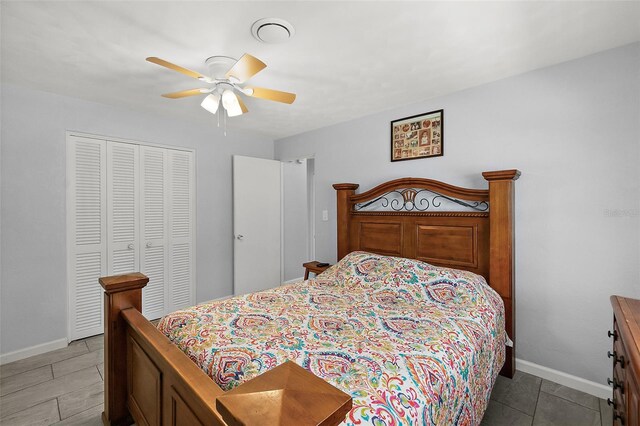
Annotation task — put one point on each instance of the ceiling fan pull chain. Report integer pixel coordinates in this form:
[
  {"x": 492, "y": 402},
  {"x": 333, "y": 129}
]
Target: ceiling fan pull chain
[
  {"x": 225, "y": 121},
  {"x": 218, "y": 119}
]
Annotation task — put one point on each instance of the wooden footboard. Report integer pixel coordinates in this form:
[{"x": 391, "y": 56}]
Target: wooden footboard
[{"x": 150, "y": 381}]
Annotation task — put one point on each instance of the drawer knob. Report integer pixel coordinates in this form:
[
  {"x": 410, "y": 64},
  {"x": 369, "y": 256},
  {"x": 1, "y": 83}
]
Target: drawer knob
[
  {"x": 616, "y": 358},
  {"x": 614, "y": 335},
  {"x": 617, "y": 416},
  {"x": 616, "y": 384},
  {"x": 611, "y": 403}
]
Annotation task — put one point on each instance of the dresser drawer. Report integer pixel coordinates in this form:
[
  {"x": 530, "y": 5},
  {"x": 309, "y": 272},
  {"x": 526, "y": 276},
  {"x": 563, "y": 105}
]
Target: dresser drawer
[
  {"x": 619, "y": 368},
  {"x": 619, "y": 399},
  {"x": 632, "y": 400}
]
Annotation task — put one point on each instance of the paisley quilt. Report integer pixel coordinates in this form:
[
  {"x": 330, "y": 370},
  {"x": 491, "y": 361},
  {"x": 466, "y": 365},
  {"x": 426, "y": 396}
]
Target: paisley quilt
[{"x": 412, "y": 343}]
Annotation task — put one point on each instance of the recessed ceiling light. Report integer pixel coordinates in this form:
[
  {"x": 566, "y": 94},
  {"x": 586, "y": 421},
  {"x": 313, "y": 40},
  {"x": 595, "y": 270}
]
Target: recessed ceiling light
[{"x": 272, "y": 30}]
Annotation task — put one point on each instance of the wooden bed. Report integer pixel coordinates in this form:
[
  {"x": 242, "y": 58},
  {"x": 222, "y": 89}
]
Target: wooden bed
[{"x": 151, "y": 381}]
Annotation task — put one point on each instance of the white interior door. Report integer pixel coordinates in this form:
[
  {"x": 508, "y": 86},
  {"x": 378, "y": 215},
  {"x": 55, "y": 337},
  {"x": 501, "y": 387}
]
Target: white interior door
[{"x": 257, "y": 205}]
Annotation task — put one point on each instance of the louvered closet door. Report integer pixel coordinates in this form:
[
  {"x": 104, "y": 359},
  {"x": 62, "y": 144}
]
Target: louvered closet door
[
  {"x": 181, "y": 238},
  {"x": 155, "y": 204},
  {"x": 86, "y": 224},
  {"x": 130, "y": 208},
  {"x": 122, "y": 208}
]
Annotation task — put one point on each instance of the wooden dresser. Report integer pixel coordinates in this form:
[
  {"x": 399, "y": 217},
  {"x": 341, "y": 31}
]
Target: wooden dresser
[{"x": 626, "y": 361}]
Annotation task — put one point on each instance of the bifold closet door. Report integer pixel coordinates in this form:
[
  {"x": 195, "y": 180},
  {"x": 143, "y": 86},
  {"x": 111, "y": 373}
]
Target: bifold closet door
[
  {"x": 122, "y": 208},
  {"x": 167, "y": 188},
  {"x": 154, "y": 226},
  {"x": 86, "y": 234},
  {"x": 130, "y": 208},
  {"x": 181, "y": 224}
]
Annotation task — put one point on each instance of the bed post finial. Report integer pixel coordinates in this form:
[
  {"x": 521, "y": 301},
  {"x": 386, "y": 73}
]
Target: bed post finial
[
  {"x": 502, "y": 252},
  {"x": 120, "y": 292},
  {"x": 344, "y": 191}
]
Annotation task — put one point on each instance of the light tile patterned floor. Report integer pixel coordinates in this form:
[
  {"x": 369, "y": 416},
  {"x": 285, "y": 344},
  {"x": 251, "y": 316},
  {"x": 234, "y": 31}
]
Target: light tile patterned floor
[
  {"x": 59, "y": 387},
  {"x": 65, "y": 387}
]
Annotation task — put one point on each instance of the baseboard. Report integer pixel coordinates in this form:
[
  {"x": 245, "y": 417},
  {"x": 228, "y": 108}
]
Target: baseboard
[
  {"x": 568, "y": 380},
  {"x": 293, "y": 280},
  {"x": 32, "y": 350}
]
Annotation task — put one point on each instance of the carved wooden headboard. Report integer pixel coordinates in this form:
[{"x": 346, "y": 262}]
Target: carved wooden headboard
[{"x": 441, "y": 224}]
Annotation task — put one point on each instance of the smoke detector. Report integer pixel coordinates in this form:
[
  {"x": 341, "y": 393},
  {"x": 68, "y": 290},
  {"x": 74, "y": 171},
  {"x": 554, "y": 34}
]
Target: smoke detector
[{"x": 272, "y": 30}]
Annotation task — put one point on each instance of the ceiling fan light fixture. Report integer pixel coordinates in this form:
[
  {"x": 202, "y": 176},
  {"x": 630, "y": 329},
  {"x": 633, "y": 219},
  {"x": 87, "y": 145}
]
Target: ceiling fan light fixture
[
  {"x": 230, "y": 103},
  {"x": 247, "y": 91},
  {"x": 211, "y": 103}
]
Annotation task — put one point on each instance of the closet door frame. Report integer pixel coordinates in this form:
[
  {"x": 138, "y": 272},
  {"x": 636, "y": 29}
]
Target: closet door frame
[{"x": 71, "y": 223}]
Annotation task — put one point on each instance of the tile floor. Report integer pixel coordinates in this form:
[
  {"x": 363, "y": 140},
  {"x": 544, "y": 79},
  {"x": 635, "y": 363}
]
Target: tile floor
[
  {"x": 60, "y": 387},
  {"x": 530, "y": 400},
  {"x": 65, "y": 387}
]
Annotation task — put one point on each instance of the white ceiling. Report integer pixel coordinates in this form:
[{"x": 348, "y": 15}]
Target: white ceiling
[{"x": 347, "y": 59}]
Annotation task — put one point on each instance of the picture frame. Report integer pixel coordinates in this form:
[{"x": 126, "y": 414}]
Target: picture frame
[{"x": 418, "y": 136}]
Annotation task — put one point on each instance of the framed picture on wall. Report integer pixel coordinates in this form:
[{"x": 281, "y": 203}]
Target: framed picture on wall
[{"x": 418, "y": 136}]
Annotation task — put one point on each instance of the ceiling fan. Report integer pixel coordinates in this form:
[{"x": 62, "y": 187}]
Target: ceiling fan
[{"x": 226, "y": 77}]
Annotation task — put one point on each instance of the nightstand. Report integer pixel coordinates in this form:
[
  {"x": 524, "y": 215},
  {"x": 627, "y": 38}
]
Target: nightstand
[{"x": 313, "y": 267}]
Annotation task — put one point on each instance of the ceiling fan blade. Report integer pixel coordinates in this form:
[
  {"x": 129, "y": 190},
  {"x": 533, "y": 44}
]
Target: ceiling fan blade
[
  {"x": 175, "y": 67},
  {"x": 245, "y": 68},
  {"x": 185, "y": 93},
  {"x": 272, "y": 95}
]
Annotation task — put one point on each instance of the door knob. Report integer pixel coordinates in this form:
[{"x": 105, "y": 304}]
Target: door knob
[
  {"x": 130, "y": 246},
  {"x": 239, "y": 237}
]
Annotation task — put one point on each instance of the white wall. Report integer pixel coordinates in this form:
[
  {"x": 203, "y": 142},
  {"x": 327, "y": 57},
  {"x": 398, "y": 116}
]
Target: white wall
[
  {"x": 295, "y": 218},
  {"x": 574, "y": 132},
  {"x": 33, "y": 292}
]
